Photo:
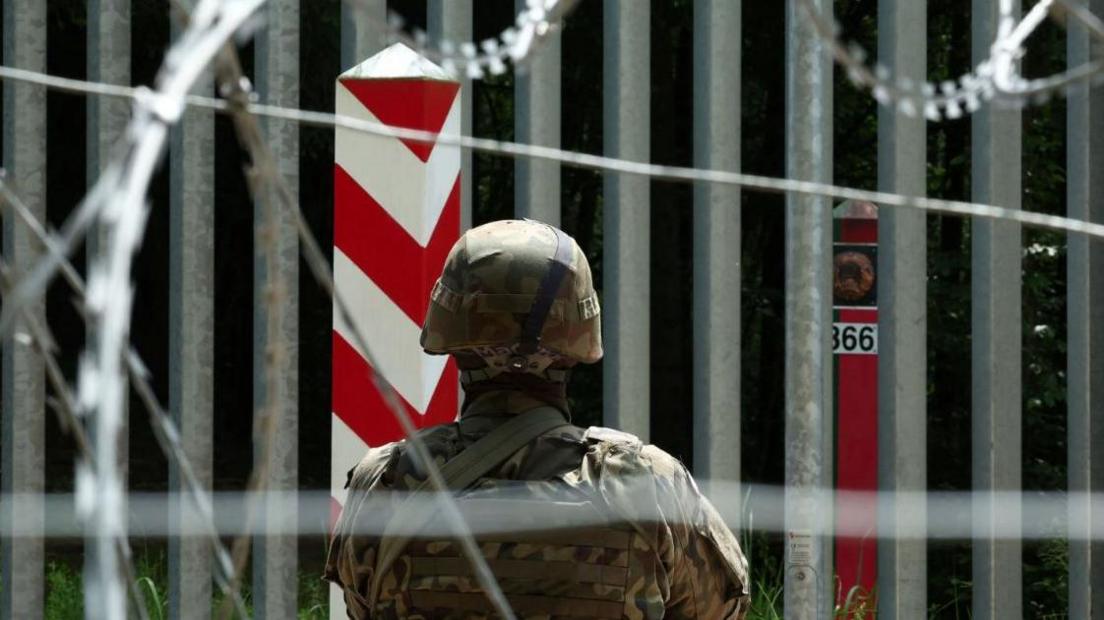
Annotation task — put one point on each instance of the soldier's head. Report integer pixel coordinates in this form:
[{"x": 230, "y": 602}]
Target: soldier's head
[{"x": 515, "y": 301}]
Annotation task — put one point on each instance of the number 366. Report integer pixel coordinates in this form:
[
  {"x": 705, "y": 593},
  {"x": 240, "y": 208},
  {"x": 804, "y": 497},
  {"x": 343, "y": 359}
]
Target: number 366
[{"x": 854, "y": 338}]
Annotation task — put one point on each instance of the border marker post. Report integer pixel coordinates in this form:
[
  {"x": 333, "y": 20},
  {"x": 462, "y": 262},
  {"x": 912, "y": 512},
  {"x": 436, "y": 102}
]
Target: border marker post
[
  {"x": 855, "y": 348},
  {"x": 396, "y": 216}
]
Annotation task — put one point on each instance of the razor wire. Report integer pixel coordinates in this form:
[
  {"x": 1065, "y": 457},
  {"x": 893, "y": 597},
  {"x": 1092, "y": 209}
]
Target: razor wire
[
  {"x": 120, "y": 209},
  {"x": 164, "y": 428},
  {"x": 996, "y": 76},
  {"x": 65, "y": 407},
  {"x": 574, "y": 159},
  {"x": 537, "y": 21},
  {"x": 994, "y": 79}
]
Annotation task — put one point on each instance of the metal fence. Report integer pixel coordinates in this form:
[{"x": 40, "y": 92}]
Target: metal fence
[{"x": 902, "y": 41}]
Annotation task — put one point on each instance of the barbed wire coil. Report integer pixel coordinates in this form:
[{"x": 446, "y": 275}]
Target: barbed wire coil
[
  {"x": 586, "y": 161},
  {"x": 994, "y": 79}
]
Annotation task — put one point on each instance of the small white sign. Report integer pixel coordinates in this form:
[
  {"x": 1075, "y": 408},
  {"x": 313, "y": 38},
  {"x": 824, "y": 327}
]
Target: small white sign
[
  {"x": 800, "y": 543},
  {"x": 855, "y": 338}
]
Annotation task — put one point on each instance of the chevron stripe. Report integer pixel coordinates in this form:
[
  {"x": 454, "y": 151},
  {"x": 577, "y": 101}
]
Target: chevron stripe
[
  {"x": 361, "y": 407},
  {"x": 390, "y": 334},
  {"x": 414, "y": 192},
  {"x": 378, "y": 245},
  {"x": 409, "y": 103}
]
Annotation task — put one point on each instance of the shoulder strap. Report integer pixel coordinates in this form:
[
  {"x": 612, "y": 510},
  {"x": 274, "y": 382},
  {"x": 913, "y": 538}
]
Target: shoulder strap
[
  {"x": 496, "y": 446},
  {"x": 459, "y": 473}
]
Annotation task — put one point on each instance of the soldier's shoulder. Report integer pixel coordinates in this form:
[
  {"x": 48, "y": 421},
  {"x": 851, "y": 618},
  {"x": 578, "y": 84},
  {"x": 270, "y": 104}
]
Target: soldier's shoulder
[
  {"x": 641, "y": 457},
  {"x": 379, "y": 456},
  {"x": 380, "y": 453},
  {"x": 378, "y": 459},
  {"x": 650, "y": 455},
  {"x": 662, "y": 463},
  {"x": 368, "y": 470},
  {"x": 602, "y": 434}
]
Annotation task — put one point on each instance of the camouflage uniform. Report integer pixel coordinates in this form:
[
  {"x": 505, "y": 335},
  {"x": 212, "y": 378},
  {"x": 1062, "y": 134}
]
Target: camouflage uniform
[
  {"x": 648, "y": 545},
  {"x": 684, "y": 564}
]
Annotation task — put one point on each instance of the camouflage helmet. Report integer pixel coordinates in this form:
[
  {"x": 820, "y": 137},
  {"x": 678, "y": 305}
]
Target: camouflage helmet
[{"x": 520, "y": 284}]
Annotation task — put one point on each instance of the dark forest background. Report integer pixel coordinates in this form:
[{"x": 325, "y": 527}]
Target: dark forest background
[{"x": 855, "y": 157}]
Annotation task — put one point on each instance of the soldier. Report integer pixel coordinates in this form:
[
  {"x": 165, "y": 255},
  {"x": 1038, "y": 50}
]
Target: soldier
[{"x": 621, "y": 530}]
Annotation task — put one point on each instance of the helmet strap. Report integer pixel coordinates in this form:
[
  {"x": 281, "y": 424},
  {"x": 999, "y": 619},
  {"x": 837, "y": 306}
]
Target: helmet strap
[{"x": 546, "y": 294}]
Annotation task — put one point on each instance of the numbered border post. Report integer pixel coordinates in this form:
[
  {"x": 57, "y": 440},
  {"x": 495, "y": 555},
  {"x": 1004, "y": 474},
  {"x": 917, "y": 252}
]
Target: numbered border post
[{"x": 855, "y": 352}]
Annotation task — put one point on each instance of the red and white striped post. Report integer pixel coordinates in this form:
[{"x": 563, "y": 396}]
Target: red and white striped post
[
  {"x": 855, "y": 348},
  {"x": 396, "y": 215}
]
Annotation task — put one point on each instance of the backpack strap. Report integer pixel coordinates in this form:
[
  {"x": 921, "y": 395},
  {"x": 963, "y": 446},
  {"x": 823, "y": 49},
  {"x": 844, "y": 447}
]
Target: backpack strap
[{"x": 459, "y": 473}]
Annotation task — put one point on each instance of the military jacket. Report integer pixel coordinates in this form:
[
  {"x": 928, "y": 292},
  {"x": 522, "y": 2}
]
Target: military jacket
[{"x": 656, "y": 548}]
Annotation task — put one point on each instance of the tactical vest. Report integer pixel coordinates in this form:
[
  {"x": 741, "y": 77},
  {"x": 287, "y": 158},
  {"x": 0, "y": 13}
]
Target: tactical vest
[
  {"x": 588, "y": 564},
  {"x": 603, "y": 569}
]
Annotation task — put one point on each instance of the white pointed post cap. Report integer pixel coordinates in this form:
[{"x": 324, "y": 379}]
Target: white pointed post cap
[
  {"x": 855, "y": 210},
  {"x": 397, "y": 62}
]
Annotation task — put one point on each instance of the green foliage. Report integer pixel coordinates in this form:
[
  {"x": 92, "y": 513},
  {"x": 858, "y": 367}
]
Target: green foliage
[
  {"x": 152, "y": 573},
  {"x": 313, "y": 597},
  {"x": 858, "y": 602},
  {"x": 766, "y": 581},
  {"x": 1046, "y": 583},
  {"x": 148, "y": 591},
  {"x": 767, "y": 593},
  {"x": 956, "y": 605},
  {"x": 65, "y": 596}
]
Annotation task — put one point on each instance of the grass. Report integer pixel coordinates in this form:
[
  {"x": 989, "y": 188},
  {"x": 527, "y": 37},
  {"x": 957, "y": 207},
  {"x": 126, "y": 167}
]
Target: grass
[
  {"x": 767, "y": 600},
  {"x": 1045, "y": 591},
  {"x": 65, "y": 597}
]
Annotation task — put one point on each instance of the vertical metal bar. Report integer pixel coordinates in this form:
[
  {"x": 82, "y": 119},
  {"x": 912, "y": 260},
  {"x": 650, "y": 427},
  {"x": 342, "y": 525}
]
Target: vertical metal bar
[
  {"x": 808, "y": 579},
  {"x": 363, "y": 30},
  {"x": 996, "y": 316},
  {"x": 626, "y": 215},
  {"x": 537, "y": 121},
  {"x": 191, "y": 343},
  {"x": 902, "y": 295},
  {"x": 452, "y": 20},
  {"x": 22, "y": 404},
  {"x": 717, "y": 241},
  {"x": 108, "y": 60},
  {"x": 1085, "y": 311},
  {"x": 275, "y": 561}
]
